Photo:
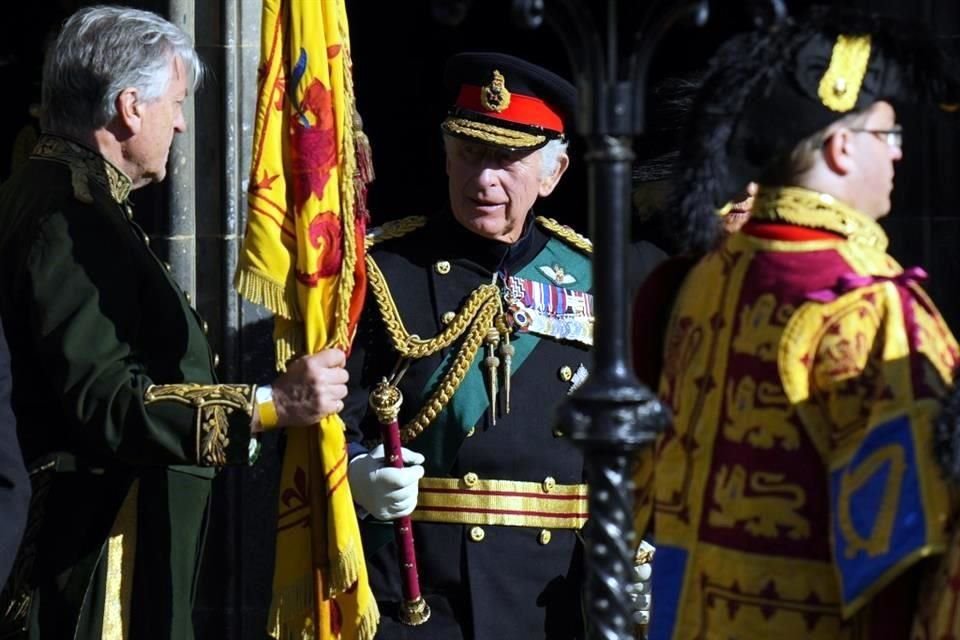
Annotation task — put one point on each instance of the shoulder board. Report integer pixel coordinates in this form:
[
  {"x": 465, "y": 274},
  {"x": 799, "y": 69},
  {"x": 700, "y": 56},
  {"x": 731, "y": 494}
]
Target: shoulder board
[
  {"x": 566, "y": 234},
  {"x": 394, "y": 229}
]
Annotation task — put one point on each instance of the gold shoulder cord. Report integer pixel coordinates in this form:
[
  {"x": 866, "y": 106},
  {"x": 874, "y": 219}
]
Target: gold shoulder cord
[
  {"x": 477, "y": 314},
  {"x": 213, "y": 403},
  {"x": 479, "y": 317},
  {"x": 566, "y": 234}
]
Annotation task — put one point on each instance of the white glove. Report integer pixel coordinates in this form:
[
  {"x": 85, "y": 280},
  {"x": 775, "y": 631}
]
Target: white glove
[
  {"x": 639, "y": 588},
  {"x": 384, "y": 492}
]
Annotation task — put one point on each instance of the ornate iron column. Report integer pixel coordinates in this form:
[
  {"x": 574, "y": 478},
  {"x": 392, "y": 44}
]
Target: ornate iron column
[{"x": 612, "y": 415}]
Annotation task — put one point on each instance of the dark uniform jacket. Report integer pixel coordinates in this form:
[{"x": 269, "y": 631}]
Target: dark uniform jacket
[
  {"x": 14, "y": 484},
  {"x": 483, "y": 581},
  {"x": 122, "y": 452}
]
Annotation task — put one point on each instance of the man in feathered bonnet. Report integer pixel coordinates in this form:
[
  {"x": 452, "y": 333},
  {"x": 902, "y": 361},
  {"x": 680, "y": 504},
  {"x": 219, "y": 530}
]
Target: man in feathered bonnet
[{"x": 796, "y": 494}]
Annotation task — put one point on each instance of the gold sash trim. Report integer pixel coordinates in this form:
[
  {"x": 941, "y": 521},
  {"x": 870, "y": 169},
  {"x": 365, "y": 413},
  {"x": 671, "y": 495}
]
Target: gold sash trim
[{"x": 502, "y": 502}]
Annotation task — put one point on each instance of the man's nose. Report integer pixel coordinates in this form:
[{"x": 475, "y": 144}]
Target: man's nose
[{"x": 488, "y": 172}]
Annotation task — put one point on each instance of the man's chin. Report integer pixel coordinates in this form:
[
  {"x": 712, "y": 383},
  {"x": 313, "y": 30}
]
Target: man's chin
[{"x": 481, "y": 224}]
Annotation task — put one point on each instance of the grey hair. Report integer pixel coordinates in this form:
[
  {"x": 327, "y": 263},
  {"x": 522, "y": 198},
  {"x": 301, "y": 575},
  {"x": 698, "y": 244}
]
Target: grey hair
[
  {"x": 99, "y": 52},
  {"x": 550, "y": 156}
]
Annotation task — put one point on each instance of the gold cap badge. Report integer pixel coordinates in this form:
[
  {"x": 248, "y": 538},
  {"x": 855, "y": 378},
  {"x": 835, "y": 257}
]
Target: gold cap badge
[{"x": 494, "y": 96}]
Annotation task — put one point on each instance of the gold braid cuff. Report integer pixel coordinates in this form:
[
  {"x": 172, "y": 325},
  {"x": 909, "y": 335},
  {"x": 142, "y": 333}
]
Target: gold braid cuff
[
  {"x": 213, "y": 404},
  {"x": 796, "y": 205},
  {"x": 470, "y": 500}
]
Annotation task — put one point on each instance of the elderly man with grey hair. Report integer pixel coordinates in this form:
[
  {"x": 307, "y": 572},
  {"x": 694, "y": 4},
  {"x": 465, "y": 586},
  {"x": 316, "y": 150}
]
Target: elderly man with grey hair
[
  {"x": 483, "y": 317},
  {"x": 119, "y": 411}
]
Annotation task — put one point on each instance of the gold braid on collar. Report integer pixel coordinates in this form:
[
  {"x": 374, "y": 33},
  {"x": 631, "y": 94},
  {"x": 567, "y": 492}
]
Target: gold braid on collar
[
  {"x": 86, "y": 166},
  {"x": 806, "y": 208}
]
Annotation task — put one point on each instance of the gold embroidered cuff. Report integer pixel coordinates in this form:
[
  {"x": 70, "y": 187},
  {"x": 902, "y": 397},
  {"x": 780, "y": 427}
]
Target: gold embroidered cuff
[
  {"x": 214, "y": 404},
  {"x": 501, "y": 502}
]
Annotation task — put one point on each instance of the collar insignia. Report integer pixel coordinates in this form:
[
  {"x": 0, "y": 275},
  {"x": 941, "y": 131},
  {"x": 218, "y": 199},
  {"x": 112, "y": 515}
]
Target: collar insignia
[
  {"x": 87, "y": 168},
  {"x": 494, "y": 96}
]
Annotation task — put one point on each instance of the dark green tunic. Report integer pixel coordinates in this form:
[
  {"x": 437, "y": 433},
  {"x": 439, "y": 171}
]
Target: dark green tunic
[{"x": 102, "y": 342}]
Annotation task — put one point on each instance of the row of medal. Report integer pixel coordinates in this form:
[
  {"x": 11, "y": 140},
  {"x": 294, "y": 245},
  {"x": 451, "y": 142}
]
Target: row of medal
[{"x": 549, "y": 310}]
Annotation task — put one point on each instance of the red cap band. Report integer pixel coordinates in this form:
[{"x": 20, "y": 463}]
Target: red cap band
[{"x": 525, "y": 110}]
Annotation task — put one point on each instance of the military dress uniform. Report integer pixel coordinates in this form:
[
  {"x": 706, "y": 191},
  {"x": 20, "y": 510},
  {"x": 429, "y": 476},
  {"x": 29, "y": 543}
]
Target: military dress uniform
[
  {"x": 502, "y": 502},
  {"x": 119, "y": 413}
]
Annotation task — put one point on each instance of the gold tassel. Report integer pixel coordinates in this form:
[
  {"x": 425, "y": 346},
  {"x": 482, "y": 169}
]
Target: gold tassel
[
  {"x": 492, "y": 363},
  {"x": 506, "y": 351}
]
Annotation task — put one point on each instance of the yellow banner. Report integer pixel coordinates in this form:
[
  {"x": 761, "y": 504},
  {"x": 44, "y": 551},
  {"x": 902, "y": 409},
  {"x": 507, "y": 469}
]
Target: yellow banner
[{"x": 302, "y": 258}]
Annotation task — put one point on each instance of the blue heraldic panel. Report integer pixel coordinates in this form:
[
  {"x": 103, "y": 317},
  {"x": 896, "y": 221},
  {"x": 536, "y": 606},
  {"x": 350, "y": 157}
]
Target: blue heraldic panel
[
  {"x": 669, "y": 571},
  {"x": 877, "y": 509}
]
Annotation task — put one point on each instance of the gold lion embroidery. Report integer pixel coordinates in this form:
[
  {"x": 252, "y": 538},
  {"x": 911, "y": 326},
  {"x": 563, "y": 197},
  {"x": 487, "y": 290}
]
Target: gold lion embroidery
[
  {"x": 846, "y": 344},
  {"x": 761, "y": 326},
  {"x": 762, "y": 427},
  {"x": 771, "y": 506}
]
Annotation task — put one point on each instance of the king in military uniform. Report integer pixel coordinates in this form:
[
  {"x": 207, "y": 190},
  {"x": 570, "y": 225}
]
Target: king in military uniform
[
  {"x": 796, "y": 495},
  {"x": 482, "y": 316}
]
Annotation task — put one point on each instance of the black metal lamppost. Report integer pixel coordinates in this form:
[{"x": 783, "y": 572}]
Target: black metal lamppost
[{"x": 612, "y": 415}]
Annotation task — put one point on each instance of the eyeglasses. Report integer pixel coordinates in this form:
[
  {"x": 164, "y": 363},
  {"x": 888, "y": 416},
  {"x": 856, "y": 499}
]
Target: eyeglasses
[{"x": 893, "y": 136}]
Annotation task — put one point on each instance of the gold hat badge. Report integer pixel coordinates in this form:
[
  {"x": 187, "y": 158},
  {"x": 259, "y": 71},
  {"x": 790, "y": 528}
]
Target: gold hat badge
[
  {"x": 494, "y": 96},
  {"x": 841, "y": 83}
]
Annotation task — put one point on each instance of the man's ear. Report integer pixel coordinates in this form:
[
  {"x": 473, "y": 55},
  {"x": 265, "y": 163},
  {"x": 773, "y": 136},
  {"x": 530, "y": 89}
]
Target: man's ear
[
  {"x": 549, "y": 183},
  {"x": 837, "y": 151},
  {"x": 129, "y": 110}
]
